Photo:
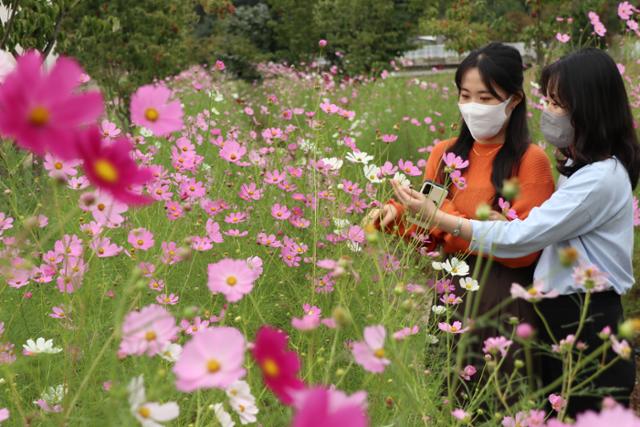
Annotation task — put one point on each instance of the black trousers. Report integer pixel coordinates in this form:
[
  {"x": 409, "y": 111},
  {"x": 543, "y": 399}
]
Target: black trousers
[{"x": 563, "y": 315}]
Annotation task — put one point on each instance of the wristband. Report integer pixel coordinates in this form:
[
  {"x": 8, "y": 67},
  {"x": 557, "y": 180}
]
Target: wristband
[{"x": 458, "y": 229}]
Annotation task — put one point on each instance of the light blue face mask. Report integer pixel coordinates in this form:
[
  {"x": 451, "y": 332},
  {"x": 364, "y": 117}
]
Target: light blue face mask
[{"x": 557, "y": 130}]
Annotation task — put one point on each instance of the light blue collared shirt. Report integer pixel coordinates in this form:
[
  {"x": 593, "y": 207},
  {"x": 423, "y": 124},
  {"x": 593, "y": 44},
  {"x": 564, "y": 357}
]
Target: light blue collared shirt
[{"x": 592, "y": 211}]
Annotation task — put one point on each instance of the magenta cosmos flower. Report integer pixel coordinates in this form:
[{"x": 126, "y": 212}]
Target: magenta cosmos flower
[
  {"x": 111, "y": 168},
  {"x": 321, "y": 407},
  {"x": 152, "y": 108},
  {"x": 231, "y": 277},
  {"x": 279, "y": 366},
  {"x": 370, "y": 353},
  {"x": 147, "y": 331},
  {"x": 43, "y": 111},
  {"x": 212, "y": 359}
]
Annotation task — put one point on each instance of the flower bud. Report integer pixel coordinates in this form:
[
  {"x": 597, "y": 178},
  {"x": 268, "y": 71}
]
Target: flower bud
[
  {"x": 568, "y": 256},
  {"x": 630, "y": 328},
  {"x": 510, "y": 188},
  {"x": 483, "y": 211},
  {"x": 341, "y": 316},
  {"x": 519, "y": 364}
]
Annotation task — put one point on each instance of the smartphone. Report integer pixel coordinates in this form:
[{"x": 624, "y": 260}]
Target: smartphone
[{"x": 434, "y": 191}]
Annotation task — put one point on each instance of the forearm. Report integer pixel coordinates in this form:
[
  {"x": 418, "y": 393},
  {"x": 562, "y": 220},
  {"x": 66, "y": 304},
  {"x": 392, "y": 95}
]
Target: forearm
[{"x": 450, "y": 223}]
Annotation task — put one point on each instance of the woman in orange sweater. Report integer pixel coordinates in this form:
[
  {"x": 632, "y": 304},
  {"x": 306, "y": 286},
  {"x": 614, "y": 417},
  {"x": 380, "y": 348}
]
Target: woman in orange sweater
[{"x": 494, "y": 140}]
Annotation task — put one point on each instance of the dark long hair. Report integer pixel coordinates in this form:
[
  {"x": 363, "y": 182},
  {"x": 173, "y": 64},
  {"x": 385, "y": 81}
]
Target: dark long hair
[
  {"x": 499, "y": 66},
  {"x": 589, "y": 86}
]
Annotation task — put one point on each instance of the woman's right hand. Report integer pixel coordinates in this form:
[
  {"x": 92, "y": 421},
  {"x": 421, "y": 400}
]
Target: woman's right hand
[{"x": 386, "y": 215}]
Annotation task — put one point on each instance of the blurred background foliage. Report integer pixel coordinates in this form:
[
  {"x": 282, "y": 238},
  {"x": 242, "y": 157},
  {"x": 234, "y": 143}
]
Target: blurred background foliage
[{"x": 123, "y": 44}]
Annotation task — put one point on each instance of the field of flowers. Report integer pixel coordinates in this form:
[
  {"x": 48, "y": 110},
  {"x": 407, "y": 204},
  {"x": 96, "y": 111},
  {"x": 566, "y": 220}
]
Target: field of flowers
[{"x": 225, "y": 276}]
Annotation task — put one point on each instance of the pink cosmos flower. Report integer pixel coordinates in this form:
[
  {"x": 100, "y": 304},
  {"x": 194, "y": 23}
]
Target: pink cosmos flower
[
  {"x": 507, "y": 210},
  {"x": 621, "y": 348},
  {"x": 454, "y": 328},
  {"x": 562, "y": 37},
  {"x": 107, "y": 211},
  {"x": 405, "y": 332},
  {"x": 389, "y": 138},
  {"x": 104, "y": 247},
  {"x": 4, "y": 414},
  {"x": 533, "y": 294},
  {"x": 58, "y": 168},
  {"x": 525, "y": 331},
  {"x": 279, "y": 366},
  {"x": 625, "y": 10},
  {"x": 495, "y": 345},
  {"x": 151, "y": 108},
  {"x": 109, "y": 129},
  {"x": 141, "y": 238},
  {"x": 618, "y": 416},
  {"x": 322, "y": 43},
  {"x": 598, "y": 27},
  {"x": 310, "y": 320},
  {"x": 111, "y": 168},
  {"x": 232, "y": 151},
  {"x": 213, "y": 358},
  {"x": 232, "y": 278},
  {"x": 170, "y": 299},
  {"x": 43, "y": 111},
  {"x": 453, "y": 162},
  {"x": 370, "y": 353},
  {"x": 58, "y": 313},
  {"x": 557, "y": 402},
  {"x": 250, "y": 192},
  {"x": 321, "y": 407},
  {"x": 590, "y": 277},
  {"x": 458, "y": 180},
  {"x": 219, "y": 65},
  {"x": 408, "y": 168},
  {"x": 468, "y": 372},
  {"x": 147, "y": 331},
  {"x": 279, "y": 211}
]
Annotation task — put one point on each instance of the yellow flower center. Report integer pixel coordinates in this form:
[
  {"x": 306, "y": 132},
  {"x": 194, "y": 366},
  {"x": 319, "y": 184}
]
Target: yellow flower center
[
  {"x": 379, "y": 353},
  {"x": 106, "y": 170},
  {"x": 454, "y": 329},
  {"x": 39, "y": 116},
  {"x": 532, "y": 291},
  {"x": 144, "y": 412},
  {"x": 140, "y": 242},
  {"x": 213, "y": 366},
  {"x": 58, "y": 165},
  {"x": 151, "y": 114},
  {"x": 270, "y": 368},
  {"x": 101, "y": 206},
  {"x": 241, "y": 408},
  {"x": 150, "y": 336},
  {"x": 231, "y": 280}
]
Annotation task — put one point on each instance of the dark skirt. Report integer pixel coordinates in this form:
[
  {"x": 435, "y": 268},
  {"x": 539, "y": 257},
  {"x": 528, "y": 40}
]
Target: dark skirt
[
  {"x": 494, "y": 294},
  {"x": 563, "y": 315}
]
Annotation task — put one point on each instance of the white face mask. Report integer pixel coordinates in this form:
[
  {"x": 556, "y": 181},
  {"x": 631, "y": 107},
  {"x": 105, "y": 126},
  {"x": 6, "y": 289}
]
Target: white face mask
[{"x": 484, "y": 121}]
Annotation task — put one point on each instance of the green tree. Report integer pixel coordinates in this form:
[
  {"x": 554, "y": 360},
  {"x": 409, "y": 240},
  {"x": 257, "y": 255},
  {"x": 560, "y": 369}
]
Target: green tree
[
  {"x": 33, "y": 24},
  {"x": 369, "y": 33},
  {"x": 124, "y": 44}
]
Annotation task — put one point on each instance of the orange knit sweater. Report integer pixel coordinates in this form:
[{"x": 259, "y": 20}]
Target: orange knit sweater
[{"x": 536, "y": 186}]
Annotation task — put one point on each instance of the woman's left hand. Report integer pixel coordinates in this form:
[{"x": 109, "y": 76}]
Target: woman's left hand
[{"x": 415, "y": 201}]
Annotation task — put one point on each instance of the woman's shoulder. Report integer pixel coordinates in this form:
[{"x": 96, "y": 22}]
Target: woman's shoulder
[
  {"x": 535, "y": 162},
  {"x": 443, "y": 146},
  {"x": 535, "y": 153}
]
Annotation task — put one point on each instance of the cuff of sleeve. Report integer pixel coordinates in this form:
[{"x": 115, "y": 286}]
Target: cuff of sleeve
[{"x": 478, "y": 236}]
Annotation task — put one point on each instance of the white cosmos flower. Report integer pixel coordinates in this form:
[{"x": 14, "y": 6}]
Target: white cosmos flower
[
  {"x": 436, "y": 265},
  {"x": 371, "y": 172},
  {"x": 171, "y": 352},
  {"x": 150, "y": 414},
  {"x": 455, "y": 267},
  {"x": 469, "y": 284},
  {"x": 54, "y": 395},
  {"x": 432, "y": 339},
  {"x": 333, "y": 162},
  {"x": 355, "y": 247},
  {"x": 242, "y": 401},
  {"x": 341, "y": 224},
  {"x": 145, "y": 132},
  {"x": 360, "y": 157},
  {"x": 402, "y": 179},
  {"x": 223, "y": 416},
  {"x": 40, "y": 346},
  {"x": 438, "y": 309}
]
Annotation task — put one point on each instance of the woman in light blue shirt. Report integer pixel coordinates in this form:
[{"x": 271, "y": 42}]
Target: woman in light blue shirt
[{"x": 590, "y": 215}]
